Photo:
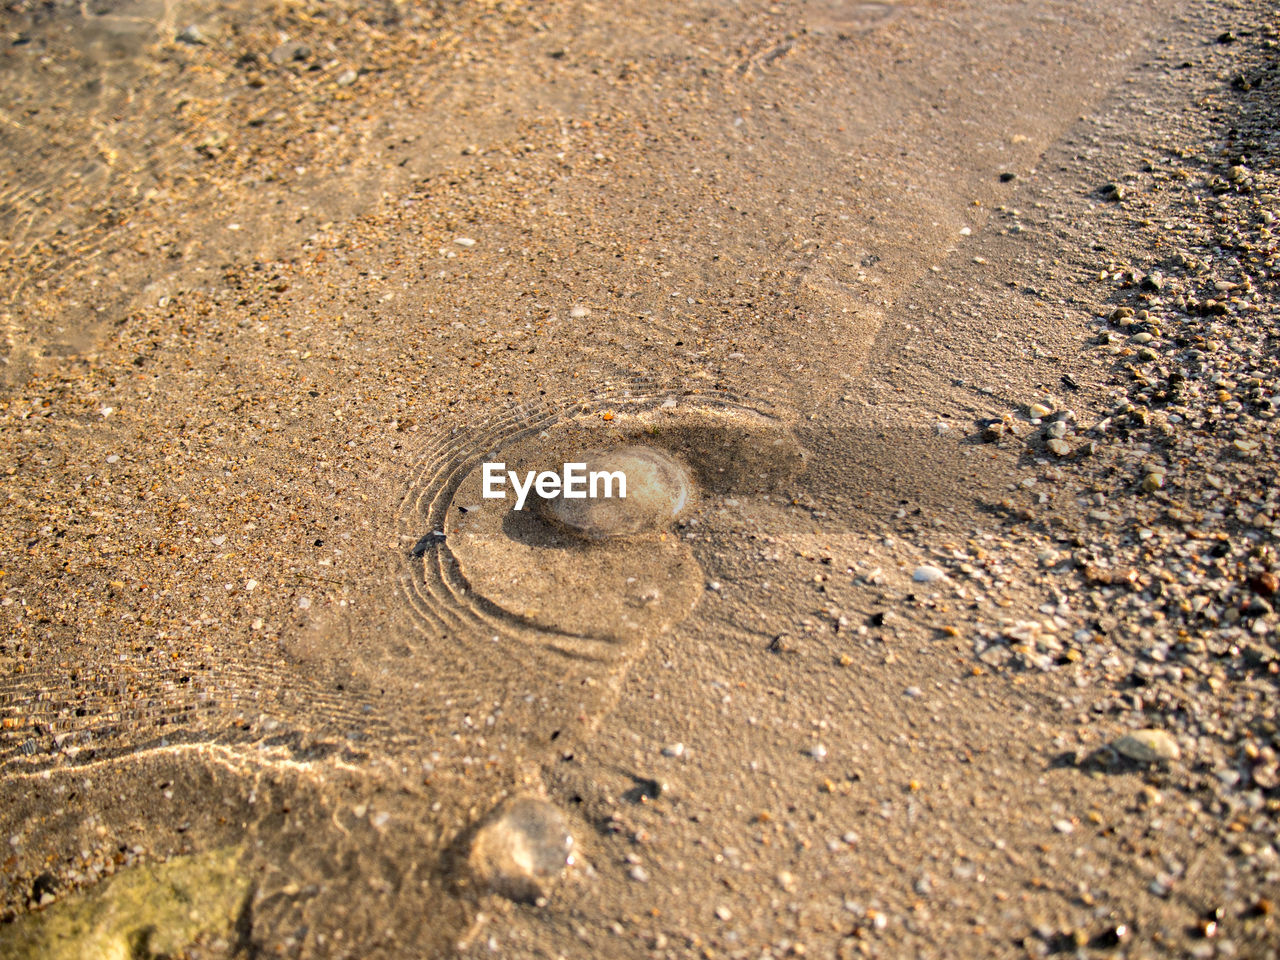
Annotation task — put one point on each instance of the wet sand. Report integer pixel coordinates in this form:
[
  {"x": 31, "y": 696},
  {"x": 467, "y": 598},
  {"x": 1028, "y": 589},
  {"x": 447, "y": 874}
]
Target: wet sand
[{"x": 278, "y": 281}]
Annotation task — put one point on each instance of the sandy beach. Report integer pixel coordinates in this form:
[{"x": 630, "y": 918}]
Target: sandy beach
[{"x": 943, "y": 624}]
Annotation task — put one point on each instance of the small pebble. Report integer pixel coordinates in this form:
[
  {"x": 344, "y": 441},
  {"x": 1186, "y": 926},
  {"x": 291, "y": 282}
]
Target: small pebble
[
  {"x": 288, "y": 52},
  {"x": 1148, "y": 746}
]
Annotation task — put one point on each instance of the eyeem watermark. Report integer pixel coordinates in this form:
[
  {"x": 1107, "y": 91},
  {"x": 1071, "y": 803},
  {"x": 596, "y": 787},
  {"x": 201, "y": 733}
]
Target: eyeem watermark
[{"x": 576, "y": 483}]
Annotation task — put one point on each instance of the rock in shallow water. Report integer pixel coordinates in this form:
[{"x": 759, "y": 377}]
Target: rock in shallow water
[
  {"x": 150, "y": 910},
  {"x": 522, "y": 849},
  {"x": 657, "y": 486}
]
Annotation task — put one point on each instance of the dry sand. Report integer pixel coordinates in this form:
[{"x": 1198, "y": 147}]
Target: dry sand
[{"x": 960, "y": 316}]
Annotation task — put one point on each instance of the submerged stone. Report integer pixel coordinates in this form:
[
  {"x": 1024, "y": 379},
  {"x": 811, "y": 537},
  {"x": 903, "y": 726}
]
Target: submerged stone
[
  {"x": 657, "y": 489},
  {"x": 522, "y": 849},
  {"x": 146, "y": 911}
]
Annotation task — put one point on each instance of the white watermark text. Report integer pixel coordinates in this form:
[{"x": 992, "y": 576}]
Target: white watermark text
[{"x": 575, "y": 482}]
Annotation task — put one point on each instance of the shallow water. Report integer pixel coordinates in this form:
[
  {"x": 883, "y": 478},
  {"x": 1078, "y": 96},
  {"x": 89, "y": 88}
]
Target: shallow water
[{"x": 696, "y": 219}]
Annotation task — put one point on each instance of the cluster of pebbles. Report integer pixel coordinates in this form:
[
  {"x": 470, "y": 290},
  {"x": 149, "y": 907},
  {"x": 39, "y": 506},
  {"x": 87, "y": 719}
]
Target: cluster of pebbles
[{"x": 1158, "y": 534}]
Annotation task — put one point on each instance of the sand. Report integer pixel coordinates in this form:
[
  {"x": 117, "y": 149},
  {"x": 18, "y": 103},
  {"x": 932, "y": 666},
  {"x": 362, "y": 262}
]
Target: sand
[{"x": 279, "y": 279}]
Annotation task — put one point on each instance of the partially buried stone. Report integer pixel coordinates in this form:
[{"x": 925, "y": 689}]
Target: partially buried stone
[
  {"x": 1148, "y": 746},
  {"x": 522, "y": 849},
  {"x": 149, "y": 910},
  {"x": 287, "y": 52},
  {"x": 657, "y": 489},
  {"x": 928, "y": 574}
]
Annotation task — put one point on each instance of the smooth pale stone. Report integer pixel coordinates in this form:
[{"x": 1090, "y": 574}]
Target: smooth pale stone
[
  {"x": 591, "y": 597},
  {"x": 522, "y": 849},
  {"x": 658, "y": 488},
  {"x": 1148, "y": 746}
]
